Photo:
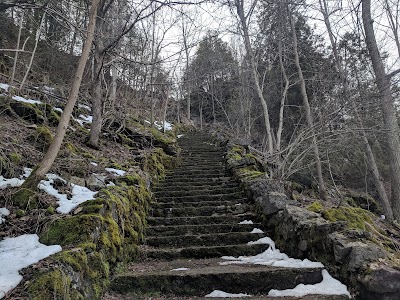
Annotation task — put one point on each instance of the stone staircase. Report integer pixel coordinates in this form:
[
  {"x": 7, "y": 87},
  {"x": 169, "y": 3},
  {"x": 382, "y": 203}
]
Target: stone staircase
[{"x": 194, "y": 221}]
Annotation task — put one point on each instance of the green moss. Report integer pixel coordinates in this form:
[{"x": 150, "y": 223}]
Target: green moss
[
  {"x": 315, "y": 207},
  {"x": 355, "y": 217},
  {"x": 132, "y": 179},
  {"x": 51, "y": 210},
  {"x": 88, "y": 155},
  {"x": 15, "y": 158},
  {"x": 250, "y": 172},
  {"x": 27, "y": 111},
  {"x": 363, "y": 200},
  {"x": 51, "y": 285},
  {"x": 76, "y": 258},
  {"x": 53, "y": 117},
  {"x": 43, "y": 137},
  {"x": 25, "y": 198},
  {"x": 71, "y": 148},
  {"x": 156, "y": 162},
  {"x": 20, "y": 213}
]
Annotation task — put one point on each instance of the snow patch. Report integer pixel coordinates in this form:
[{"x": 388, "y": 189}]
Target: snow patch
[
  {"x": 12, "y": 182},
  {"x": 3, "y": 213},
  {"x": 180, "y": 135},
  {"x": 257, "y": 230},
  {"x": 271, "y": 257},
  {"x": 4, "y": 86},
  {"x": 18, "y": 253},
  {"x": 80, "y": 194},
  {"x": 93, "y": 164},
  {"x": 180, "y": 269},
  {"x": 328, "y": 286},
  {"x": 221, "y": 294},
  {"x": 58, "y": 109},
  {"x": 116, "y": 171},
  {"x": 22, "y": 99},
  {"x": 160, "y": 126},
  {"x": 245, "y": 222}
]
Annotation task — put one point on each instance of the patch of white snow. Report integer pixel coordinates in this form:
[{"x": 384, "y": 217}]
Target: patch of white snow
[
  {"x": 58, "y": 109},
  {"x": 246, "y": 222},
  {"x": 328, "y": 286},
  {"x": 221, "y": 294},
  {"x": 271, "y": 257},
  {"x": 93, "y": 164},
  {"x": 3, "y": 213},
  {"x": 116, "y": 171},
  {"x": 12, "y": 182},
  {"x": 180, "y": 135},
  {"x": 4, "y": 86},
  {"x": 18, "y": 253},
  {"x": 22, "y": 99},
  {"x": 180, "y": 269},
  {"x": 257, "y": 230},
  {"x": 166, "y": 125}
]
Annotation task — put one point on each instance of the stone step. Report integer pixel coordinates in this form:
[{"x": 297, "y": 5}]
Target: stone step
[
  {"x": 201, "y": 173},
  {"x": 192, "y": 211},
  {"x": 187, "y": 187},
  {"x": 199, "y": 182},
  {"x": 118, "y": 296},
  {"x": 204, "y": 276},
  {"x": 211, "y": 166},
  {"x": 173, "y": 204},
  {"x": 197, "y": 192},
  {"x": 199, "y": 229},
  {"x": 199, "y": 198},
  {"x": 217, "y": 219},
  {"x": 196, "y": 180},
  {"x": 147, "y": 252},
  {"x": 206, "y": 177},
  {"x": 213, "y": 239}
]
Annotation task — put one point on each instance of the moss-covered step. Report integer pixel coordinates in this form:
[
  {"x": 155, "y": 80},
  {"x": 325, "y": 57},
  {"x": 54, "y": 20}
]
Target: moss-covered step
[
  {"x": 217, "y": 239},
  {"x": 164, "y": 205},
  {"x": 202, "y": 251},
  {"x": 195, "y": 181},
  {"x": 192, "y": 211},
  {"x": 186, "y": 187},
  {"x": 217, "y": 219},
  {"x": 197, "y": 198},
  {"x": 235, "y": 279},
  {"x": 199, "y": 229},
  {"x": 195, "y": 176},
  {"x": 200, "y": 169},
  {"x": 213, "y": 191}
]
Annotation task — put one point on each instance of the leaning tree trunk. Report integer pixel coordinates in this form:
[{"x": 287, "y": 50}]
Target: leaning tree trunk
[
  {"x": 388, "y": 107},
  {"x": 240, "y": 11},
  {"x": 307, "y": 109},
  {"x": 372, "y": 164},
  {"x": 44, "y": 166}
]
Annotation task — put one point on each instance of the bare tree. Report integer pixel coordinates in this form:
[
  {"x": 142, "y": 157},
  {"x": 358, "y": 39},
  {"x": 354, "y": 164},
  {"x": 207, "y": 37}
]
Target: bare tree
[
  {"x": 373, "y": 166},
  {"x": 307, "y": 109},
  {"x": 244, "y": 19},
  {"x": 388, "y": 107},
  {"x": 45, "y": 164}
]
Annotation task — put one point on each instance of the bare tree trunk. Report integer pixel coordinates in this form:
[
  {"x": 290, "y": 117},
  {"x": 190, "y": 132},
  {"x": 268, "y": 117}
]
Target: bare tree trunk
[
  {"x": 284, "y": 93},
  {"x": 388, "y": 108},
  {"x": 307, "y": 109},
  {"x": 373, "y": 166},
  {"x": 97, "y": 106},
  {"x": 10, "y": 89},
  {"x": 34, "y": 51},
  {"x": 44, "y": 166},
  {"x": 243, "y": 20}
]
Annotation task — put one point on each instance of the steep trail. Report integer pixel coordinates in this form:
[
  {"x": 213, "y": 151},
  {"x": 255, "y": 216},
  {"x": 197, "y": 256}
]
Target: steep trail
[{"x": 196, "y": 220}]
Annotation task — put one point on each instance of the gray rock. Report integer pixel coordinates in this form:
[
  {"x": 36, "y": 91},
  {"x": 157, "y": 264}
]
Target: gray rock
[
  {"x": 263, "y": 185},
  {"x": 272, "y": 202},
  {"x": 96, "y": 181},
  {"x": 382, "y": 279},
  {"x": 363, "y": 254},
  {"x": 78, "y": 180}
]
